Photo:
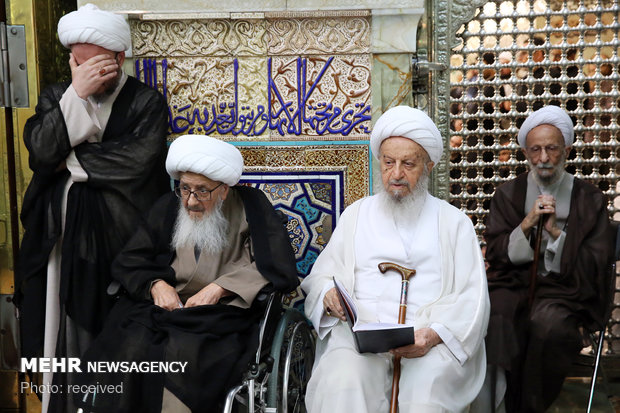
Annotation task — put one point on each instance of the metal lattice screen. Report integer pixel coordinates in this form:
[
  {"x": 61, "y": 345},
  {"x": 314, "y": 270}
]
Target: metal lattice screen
[{"x": 516, "y": 57}]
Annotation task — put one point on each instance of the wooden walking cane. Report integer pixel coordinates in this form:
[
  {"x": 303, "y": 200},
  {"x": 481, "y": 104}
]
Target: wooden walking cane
[
  {"x": 405, "y": 273},
  {"x": 534, "y": 269}
]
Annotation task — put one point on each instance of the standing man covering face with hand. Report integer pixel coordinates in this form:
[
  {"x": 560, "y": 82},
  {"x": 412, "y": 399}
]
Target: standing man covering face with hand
[
  {"x": 535, "y": 346},
  {"x": 97, "y": 149}
]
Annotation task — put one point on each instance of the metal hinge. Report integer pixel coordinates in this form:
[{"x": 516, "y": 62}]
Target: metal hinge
[
  {"x": 13, "y": 66},
  {"x": 420, "y": 68}
]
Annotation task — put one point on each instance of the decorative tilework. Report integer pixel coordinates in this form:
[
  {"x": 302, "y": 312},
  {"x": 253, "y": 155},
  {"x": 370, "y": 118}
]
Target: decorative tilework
[
  {"x": 202, "y": 92},
  {"x": 336, "y": 92},
  {"x": 198, "y": 38},
  {"x": 304, "y": 266},
  {"x": 280, "y": 98},
  {"x": 352, "y": 160},
  {"x": 321, "y": 193},
  {"x": 298, "y": 231},
  {"x": 305, "y": 217},
  {"x": 280, "y": 191},
  {"x": 318, "y": 36},
  {"x": 256, "y": 37},
  {"x": 310, "y": 213},
  {"x": 321, "y": 232}
]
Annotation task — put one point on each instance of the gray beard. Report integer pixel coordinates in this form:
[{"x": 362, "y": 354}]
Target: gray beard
[
  {"x": 545, "y": 181},
  {"x": 109, "y": 90},
  {"x": 209, "y": 233},
  {"x": 406, "y": 208}
]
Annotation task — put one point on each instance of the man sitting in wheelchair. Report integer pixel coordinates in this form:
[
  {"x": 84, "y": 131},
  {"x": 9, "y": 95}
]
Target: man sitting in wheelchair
[{"x": 191, "y": 273}]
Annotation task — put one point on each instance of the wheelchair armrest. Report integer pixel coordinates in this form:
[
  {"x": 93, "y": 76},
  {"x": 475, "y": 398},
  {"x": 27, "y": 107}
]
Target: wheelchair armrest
[{"x": 272, "y": 308}]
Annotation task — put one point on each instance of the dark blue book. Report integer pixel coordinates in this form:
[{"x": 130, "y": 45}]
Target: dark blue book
[{"x": 372, "y": 337}]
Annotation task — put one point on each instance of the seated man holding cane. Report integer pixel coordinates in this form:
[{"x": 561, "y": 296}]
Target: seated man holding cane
[
  {"x": 192, "y": 274},
  {"x": 534, "y": 326},
  {"x": 447, "y": 302}
]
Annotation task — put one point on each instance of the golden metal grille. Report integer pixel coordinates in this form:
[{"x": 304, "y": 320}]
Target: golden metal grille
[{"x": 515, "y": 57}]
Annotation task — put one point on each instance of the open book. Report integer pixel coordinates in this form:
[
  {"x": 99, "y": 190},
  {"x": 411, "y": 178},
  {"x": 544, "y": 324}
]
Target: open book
[{"x": 372, "y": 337}]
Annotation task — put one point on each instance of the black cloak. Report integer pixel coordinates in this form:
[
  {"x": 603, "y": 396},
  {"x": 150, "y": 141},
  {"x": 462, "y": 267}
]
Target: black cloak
[
  {"x": 217, "y": 341},
  {"x": 125, "y": 176},
  {"x": 537, "y": 359},
  {"x": 581, "y": 283}
]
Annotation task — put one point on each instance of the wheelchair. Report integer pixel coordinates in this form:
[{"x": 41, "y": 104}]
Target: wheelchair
[
  {"x": 277, "y": 376},
  {"x": 279, "y": 369}
]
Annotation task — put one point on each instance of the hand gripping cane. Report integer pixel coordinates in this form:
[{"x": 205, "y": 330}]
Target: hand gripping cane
[
  {"x": 534, "y": 268},
  {"x": 405, "y": 273}
]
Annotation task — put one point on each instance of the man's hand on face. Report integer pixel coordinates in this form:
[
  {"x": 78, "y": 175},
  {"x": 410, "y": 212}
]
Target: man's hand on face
[
  {"x": 165, "y": 296},
  {"x": 209, "y": 295},
  {"x": 88, "y": 77},
  {"x": 425, "y": 339}
]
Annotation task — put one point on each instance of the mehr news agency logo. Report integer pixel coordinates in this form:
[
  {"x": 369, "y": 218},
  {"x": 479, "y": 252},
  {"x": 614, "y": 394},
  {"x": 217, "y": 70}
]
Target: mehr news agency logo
[{"x": 74, "y": 365}]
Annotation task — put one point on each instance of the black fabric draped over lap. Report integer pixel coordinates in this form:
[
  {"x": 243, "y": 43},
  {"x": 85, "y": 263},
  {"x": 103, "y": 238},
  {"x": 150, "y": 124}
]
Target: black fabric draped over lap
[
  {"x": 217, "y": 341},
  {"x": 213, "y": 340}
]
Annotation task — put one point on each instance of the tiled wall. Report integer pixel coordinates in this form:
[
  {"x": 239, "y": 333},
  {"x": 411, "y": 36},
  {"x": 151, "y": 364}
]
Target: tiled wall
[{"x": 295, "y": 91}]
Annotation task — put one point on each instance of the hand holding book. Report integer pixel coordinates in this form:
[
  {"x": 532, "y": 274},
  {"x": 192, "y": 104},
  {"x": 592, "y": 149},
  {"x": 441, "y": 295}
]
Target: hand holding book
[
  {"x": 373, "y": 337},
  {"x": 425, "y": 339},
  {"x": 332, "y": 306}
]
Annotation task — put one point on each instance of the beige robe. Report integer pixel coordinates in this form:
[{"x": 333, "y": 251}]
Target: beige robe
[{"x": 232, "y": 269}]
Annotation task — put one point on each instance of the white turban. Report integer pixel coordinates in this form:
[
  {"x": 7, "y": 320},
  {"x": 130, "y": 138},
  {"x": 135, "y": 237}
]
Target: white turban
[
  {"x": 210, "y": 157},
  {"x": 91, "y": 25},
  {"x": 548, "y": 115},
  {"x": 409, "y": 123}
]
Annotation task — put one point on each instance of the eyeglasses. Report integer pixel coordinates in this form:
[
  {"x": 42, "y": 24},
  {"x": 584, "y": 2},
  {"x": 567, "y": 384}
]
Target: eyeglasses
[
  {"x": 202, "y": 194},
  {"x": 550, "y": 149}
]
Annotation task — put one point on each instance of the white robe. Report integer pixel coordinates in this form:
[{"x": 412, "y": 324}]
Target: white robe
[{"x": 451, "y": 297}]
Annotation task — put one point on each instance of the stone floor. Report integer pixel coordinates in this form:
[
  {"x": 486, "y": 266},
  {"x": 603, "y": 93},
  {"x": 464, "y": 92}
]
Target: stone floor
[{"x": 574, "y": 397}]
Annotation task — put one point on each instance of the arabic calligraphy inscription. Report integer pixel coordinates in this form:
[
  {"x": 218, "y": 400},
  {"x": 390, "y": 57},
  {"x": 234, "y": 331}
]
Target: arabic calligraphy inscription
[{"x": 310, "y": 97}]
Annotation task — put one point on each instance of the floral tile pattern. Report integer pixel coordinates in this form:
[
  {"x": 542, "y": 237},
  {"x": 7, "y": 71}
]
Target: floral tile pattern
[{"x": 307, "y": 216}]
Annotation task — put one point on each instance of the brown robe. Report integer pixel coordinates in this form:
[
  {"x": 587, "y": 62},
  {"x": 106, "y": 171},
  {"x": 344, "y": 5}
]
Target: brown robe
[
  {"x": 232, "y": 269},
  {"x": 537, "y": 347}
]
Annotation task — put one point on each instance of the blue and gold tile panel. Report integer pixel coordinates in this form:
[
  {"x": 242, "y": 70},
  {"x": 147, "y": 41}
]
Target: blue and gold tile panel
[{"x": 312, "y": 203}]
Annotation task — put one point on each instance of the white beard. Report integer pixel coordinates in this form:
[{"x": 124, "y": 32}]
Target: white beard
[
  {"x": 408, "y": 207},
  {"x": 555, "y": 175},
  {"x": 209, "y": 233}
]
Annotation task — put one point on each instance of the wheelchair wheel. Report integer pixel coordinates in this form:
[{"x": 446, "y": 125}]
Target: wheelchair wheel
[{"x": 293, "y": 358}]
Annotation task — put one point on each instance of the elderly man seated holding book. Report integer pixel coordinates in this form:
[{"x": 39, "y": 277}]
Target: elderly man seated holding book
[{"x": 447, "y": 302}]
